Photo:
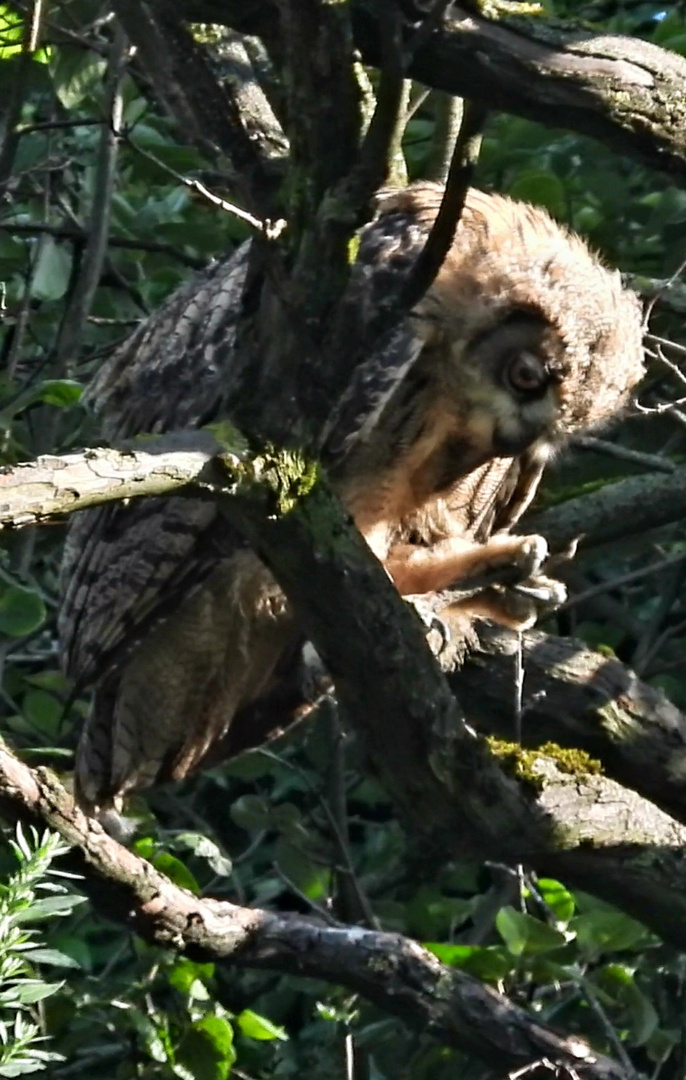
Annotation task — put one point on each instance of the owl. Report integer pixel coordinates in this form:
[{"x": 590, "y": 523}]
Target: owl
[{"x": 436, "y": 448}]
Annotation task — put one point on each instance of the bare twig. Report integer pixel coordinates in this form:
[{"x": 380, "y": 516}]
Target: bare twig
[
  {"x": 443, "y": 229},
  {"x": 62, "y": 232},
  {"x": 623, "y": 579},
  {"x": 356, "y": 905},
  {"x": 613, "y": 1037},
  {"x": 624, "y": 453},
  {"x": 384, "y": 126},
  {"x": 448, "y": 111},
  {"x": 665, "y": 288},
  {"x": 269, "y": 229},
  {"x": 207, "y": 113},
  {"x": 88, "y": 277},
  {"x": 9, "y": 137}
]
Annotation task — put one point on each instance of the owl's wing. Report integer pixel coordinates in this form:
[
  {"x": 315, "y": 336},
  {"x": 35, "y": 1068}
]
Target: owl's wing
[
  {"x": 493, "y": 497},
  {"x": 123, "y": 566},
  {"x": 174, "y": 641},
  {"x": 386, "y": 254}
]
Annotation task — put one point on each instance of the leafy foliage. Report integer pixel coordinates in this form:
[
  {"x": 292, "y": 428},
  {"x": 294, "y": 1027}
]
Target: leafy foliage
[
  {"x": 23, "y": 956},
  {"x": 300, "y": 826}
]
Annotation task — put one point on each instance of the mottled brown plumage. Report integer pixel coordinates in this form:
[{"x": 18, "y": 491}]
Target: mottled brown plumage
[{"x": 436, "y": 448}]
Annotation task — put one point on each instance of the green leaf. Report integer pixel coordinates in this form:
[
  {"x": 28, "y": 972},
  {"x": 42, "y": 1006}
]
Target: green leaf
[
  {"x": 33, "y": 1061},
  {"x": 77, "y": 949},
  {"x": 600, "y": 931},
  {"x": 49, "y": 908},
  {"x": 76, "y": 73},
  {"x": 617, "y": 981},
  {"x": 259, "y": 1027},
  {"x": 21, "y": 611},
  {"x": 43, "y": 710},
  {"x": 185, "y": 973},
  {"x": 154, "y": 1037},
  {"x": 146, "y": 847},
  {"x": 205, "y": 848},
  {"x": 53, "y": 957},
  {"x": 50, "y": 279},
  {"x": 525, "y": 935},
  {"x": 176, "y": 871},
  {"x": 559, "y": 899},
  {"x": 207, "y": 1050},
  {"x": 491, "y": 962},
  {"x": 541, "y": 188},
  {"x": 61, "y": 392},
  {"x": 34, "y": 990},
  {"x": 54, "y": 681},
  {"x": 11, "y": 32},
  {"x": 251, "y": 812}
]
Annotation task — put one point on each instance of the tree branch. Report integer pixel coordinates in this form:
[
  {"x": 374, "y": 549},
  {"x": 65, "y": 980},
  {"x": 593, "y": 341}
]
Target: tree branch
[
  {"x": 391, "y": 971},
  {"x": 576, "y": 697},
  {"x": 629, "y": 507},
  {"x": 207, "y": 113},
  {"x": 624, "y": 92},
  {"x": 52, "y": 486},
  {"x": 80, "y": 236}
]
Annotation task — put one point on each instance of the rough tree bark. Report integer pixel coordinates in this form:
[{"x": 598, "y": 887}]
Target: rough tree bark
[
  {"x": 627, "y": 93},
  {"x": 551, "y": 810}
]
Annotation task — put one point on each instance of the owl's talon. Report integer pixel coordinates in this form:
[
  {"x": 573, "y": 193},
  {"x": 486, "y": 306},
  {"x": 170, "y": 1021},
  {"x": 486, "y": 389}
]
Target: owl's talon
[
  {"x": 443, "y": 630},
  {"x": 543, "y": 590},
  {"x": 531, "y": 555},
  {"x": 431, "y": 621}
]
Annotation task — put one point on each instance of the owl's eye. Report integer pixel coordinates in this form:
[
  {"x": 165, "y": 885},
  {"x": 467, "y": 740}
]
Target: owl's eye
[{"x": 526, "y": 373}]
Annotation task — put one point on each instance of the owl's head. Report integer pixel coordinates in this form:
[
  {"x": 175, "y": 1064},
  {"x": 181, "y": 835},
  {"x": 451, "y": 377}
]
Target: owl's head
[{"x": 538, "y": 339}]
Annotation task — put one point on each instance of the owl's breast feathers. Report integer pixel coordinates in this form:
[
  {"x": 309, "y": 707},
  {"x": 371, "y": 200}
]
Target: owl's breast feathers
[{"x": 170, "y": 616}]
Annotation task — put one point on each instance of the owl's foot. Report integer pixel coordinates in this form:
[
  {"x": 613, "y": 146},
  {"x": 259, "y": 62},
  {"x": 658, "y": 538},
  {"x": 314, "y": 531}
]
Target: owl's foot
[
  {"x": 520, "y": 606},
  {"x": 462, "y": 565}
]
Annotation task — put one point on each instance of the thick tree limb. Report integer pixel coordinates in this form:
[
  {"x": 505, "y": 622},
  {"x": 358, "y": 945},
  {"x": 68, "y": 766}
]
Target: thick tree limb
[
  {"x": 391, "y": 971},
  {"x": 53, "y": 486},
  {"x": 627, "y": 93},
  {"x": 631, "y": 506},
  {"x": 576, "y": 697}
]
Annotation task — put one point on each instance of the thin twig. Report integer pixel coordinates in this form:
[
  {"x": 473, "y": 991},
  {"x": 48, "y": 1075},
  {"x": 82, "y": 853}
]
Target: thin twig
[
  {"x": 81, "y": 300},
  {"x": 310, "y": 904},
  {"x": 62, "y": 232},
  {"x": 659, "y": 642},
  {"x": 53, "y": 125},
  {"x": 337, "y": 805},
  {"x": 614, "y": 1040},
  {"x": 658, "y": 295},
  {"x": 518, "y": 688},
  {"x": 269, "y": 229},
  {"x": 624, "y": 453},
  {"x": 344, "y": 851},
  {"x": 383, "y": 126},
  {"x": 655, "y": 339},
  {"x": 624, "y": 579},
  {"x": 443, "y": 230}
]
